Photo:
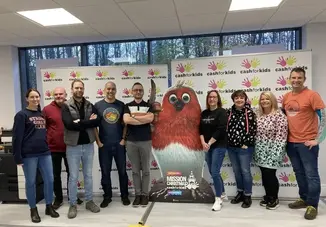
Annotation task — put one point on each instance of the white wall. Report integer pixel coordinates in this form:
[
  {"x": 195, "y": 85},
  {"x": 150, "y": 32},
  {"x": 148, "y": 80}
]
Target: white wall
[
  {"x": 314, "y": 36},
  {"x": 9, "y": 85}
]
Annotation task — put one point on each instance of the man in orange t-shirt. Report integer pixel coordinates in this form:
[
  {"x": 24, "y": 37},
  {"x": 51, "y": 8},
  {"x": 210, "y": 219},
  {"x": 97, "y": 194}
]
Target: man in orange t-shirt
[{"x": 306, "y": 118}]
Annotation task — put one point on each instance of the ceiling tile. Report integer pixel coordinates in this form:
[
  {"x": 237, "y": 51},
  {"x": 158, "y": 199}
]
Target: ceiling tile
[
  {"x": 6, "y": 36},
  {"x": 194, "y": 7},
  {"x": 96, "y": 14},
  {"x": 284, "y": 24},
  {"x": 319, "y": 18},
  {"x": 159, "y": 27},
  {"x": 73, "y": 3},
  {"x": 31, "y": 32},
  {"x": 75, "y": 30},
  {"x": 300, "y": 13},
  {"x": 200, "y": 24},
  {"x": 121, "y": 1},
  {"x": 117, "y": 28},
  {"x": 148, "y": 10},
  {"x": 16, "y": 21},
  {"x": 303, "y": 2},
  {"x": 22, "y": 5}
]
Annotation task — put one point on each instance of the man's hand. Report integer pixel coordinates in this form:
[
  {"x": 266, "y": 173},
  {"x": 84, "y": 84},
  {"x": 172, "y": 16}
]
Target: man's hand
[
  {"x": 93, "y": 117},
  {"x": 99, "y": 144},
  {"x": 122, "y": 142},
  {"x": 311, "y": 143},
  {"x": 244, "y": 147},
  {"x": 205, "y": 146},
  {"x": 76, "y": 121}
]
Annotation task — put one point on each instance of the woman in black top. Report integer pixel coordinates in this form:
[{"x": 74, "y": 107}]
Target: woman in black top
[{"x": 214, "y": 140}]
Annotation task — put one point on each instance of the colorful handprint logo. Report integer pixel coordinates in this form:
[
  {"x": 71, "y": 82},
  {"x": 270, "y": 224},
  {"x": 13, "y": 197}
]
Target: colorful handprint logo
[
  {"x": 128, "y": 164},
  {"x": 101, "y": 74},
  {"x": 184, "y": 68},
  {"x": 288, "y": 61},
  {"x": 80, "y": 184},
  {"x": 254, "y": 101},
  {"x": 286, "y": 159},
  {"x": 254, "y": 63},
  {"x": 154, "y": 164},
  {"x": 217, "y": 84},
  {"x": 154, "y": 181},
  {"x": 256, "y": 177},
  {"x": 100, "y": 92},
  {"x": 158, "y": 90},
  {"x": 280, "y": 99},
  {"x": 128, "y": 73},
  {"x": 189, "y": 83},
  {"x": 48, "y": 75},
  {"x": 254, "y": 82},
  {"x": 129, "y": 183},
  {"x": 286, "y": 178},
  {"x": 224, "y": 175},
  {"x": 220, "y": 65},
  {"x": 283, "y": 81},
  {"x": 224, "y": 101},
  {"x": 153, "y": 72},
  {"x": 226, "y": 158},
  {"x": 126, "y": 91},
  {"x": 75, "y": 74},
  {"x": 49, "y": 93}
]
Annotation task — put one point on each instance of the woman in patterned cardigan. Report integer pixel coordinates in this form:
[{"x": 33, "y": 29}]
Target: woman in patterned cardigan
[{"x": 270, "y": 144}]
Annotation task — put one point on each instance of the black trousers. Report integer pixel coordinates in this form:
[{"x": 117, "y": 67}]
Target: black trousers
[
  {"x": 270, "y": 182},
  {"x": 57, "y": 168}
]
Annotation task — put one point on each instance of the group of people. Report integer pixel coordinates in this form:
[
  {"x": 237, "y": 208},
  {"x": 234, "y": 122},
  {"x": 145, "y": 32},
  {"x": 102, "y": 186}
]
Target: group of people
[
  {"x": 65, "y": 130},
  {"x": 264, "y": 136}
]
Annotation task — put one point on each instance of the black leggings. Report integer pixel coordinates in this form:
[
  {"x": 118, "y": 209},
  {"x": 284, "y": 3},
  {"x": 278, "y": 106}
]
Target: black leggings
[{"x": 270, "y": 182}]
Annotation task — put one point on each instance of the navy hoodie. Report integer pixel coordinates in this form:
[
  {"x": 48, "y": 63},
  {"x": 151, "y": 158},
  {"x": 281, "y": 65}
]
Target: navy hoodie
[
  {"x": 242, "y": 126},
  {"x": 29, "y": 135}
]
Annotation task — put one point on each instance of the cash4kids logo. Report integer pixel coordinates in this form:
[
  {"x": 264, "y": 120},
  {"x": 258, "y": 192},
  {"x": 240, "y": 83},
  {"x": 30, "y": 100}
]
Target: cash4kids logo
[
  {"x": 50, "y": 77},
  {"x": 127, "y": 93},
  {"x": 186, "y": 70},
  {"x": 158, "y": 92},
  {"x": 284, "y": 82},
  {"x": 251, "y": 66},
  {"x": 155, "y": 74},
  {"x": 129, "y": 74},
  {"x": 288, "y": 179},
  {"x": 77, "y": 75},
  {"x": 103, "y": 75},
  {"x": 191, "y": 84},
  {"x": 218, "y": 68},
  {"x": 49, "y": 95}
]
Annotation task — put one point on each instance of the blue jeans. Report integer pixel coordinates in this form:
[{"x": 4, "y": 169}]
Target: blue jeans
[
  {"x": 214, "y": 159},
  {"x": 30, "y": 166},
  {"x": 305, "y": 167},
  {"x": 85, "y": 154},
  {"x": 240, "y": 160},
  {"x": 106, "y": 154}
]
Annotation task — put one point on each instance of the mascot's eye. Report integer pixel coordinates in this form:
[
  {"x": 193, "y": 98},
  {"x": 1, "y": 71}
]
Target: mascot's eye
[
  {"x": 173, "y": 98},
  {"x": 186, "y": 97}
]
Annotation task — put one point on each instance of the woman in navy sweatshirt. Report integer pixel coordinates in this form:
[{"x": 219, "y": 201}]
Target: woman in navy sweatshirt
[
  {"x": 31, "y": 151},
  {"x": 214, "y": 140},
  {"x": 242, "y": 128}
]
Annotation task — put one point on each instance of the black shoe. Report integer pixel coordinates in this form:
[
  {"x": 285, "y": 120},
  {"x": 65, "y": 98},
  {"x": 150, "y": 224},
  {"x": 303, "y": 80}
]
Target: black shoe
[
  {"x": 105, "y": 202},
  {"x": 79, "y": 201},
  {"x": 125, "y": 200},
  {"x": 246, "y": 202},
  {"x": 238, "y": 198},
  {"x": 34, "y": 215},
  {"x": 50, "y": 211},
  {"x": 273, "y": 204},
  {"x": 137, "y": 200},
  {"x": 264, "y": 202},
  {"x": 144, "y": 200},
  {"x": 57, "y": 204}
]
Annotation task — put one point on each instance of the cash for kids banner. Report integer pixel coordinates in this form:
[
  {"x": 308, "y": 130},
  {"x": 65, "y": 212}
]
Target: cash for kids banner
[
  {"x": 95, "y": 79},
  {"x": 253, "y": 73}
]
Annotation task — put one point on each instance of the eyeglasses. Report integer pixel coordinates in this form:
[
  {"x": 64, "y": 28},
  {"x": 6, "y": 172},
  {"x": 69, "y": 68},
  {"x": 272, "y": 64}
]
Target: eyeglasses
[{"x": 138, "y": 90}]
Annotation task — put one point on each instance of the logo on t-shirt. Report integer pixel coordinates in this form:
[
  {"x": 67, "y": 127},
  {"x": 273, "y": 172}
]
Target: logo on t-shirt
[
  {"x": 292, "y": 108},
  {"x": 111, "y": 115}
]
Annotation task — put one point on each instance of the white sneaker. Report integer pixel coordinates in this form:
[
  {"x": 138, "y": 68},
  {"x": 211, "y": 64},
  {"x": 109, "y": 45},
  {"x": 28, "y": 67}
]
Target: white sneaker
[
  {"x": 218, "y": 204},
  {"x": 224, "y": 196}
]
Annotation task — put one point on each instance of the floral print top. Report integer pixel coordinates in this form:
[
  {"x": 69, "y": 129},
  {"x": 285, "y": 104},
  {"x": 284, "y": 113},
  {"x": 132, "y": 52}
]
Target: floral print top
[{"x": 271, "y": 139}]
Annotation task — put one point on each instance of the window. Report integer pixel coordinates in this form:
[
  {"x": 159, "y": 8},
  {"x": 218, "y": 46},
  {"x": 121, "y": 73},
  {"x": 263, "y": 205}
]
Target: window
[
  {"x": 117, "y": 53},
  {"x": 47, "y": 53},
  {"x": 287, "y": 38},
  {"x": 163, "y": 51}
]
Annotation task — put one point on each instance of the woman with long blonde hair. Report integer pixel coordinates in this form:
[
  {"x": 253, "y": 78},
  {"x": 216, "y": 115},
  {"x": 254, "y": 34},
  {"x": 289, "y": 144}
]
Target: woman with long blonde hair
[{"x": 270, "y": 144}]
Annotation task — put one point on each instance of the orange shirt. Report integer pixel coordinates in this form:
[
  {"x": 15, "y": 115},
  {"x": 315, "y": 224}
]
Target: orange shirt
[{"x": 301, "y": 114}]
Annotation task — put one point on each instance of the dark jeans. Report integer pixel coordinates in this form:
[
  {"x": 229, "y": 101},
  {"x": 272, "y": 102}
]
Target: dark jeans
[
  {"x": 57, "y": 169},
  {"x": 240, "y": 160},
  {"x": 214, "y": 159},
  {"x": 44, "y": 164},
  {"x": 305, "y": 167},
  {"x": 270, "y": 182},
  {"x": 106, "y": 154}
]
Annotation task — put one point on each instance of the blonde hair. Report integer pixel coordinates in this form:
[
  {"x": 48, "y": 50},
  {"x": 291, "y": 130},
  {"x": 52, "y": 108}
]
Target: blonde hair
[{"x": 269, "y": 95}]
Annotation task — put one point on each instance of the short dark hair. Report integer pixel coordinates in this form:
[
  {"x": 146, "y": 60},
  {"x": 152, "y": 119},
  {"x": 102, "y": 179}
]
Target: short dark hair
[
  {"x": 239, "y": 93},
  {"x": 219, "y": 101},
  {"x": 75, "y": 81},
  {"x": 137, "y": 83},
  {"x": 299, "y": 70}
]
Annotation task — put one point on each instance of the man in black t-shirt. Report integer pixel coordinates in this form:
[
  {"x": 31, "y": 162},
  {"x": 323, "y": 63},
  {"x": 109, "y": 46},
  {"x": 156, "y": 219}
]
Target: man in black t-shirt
[{"x": 138, "y": 116}]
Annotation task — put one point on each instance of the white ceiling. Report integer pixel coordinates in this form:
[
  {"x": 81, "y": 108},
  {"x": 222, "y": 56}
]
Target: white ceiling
[{"x": 106, "y": 20}]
